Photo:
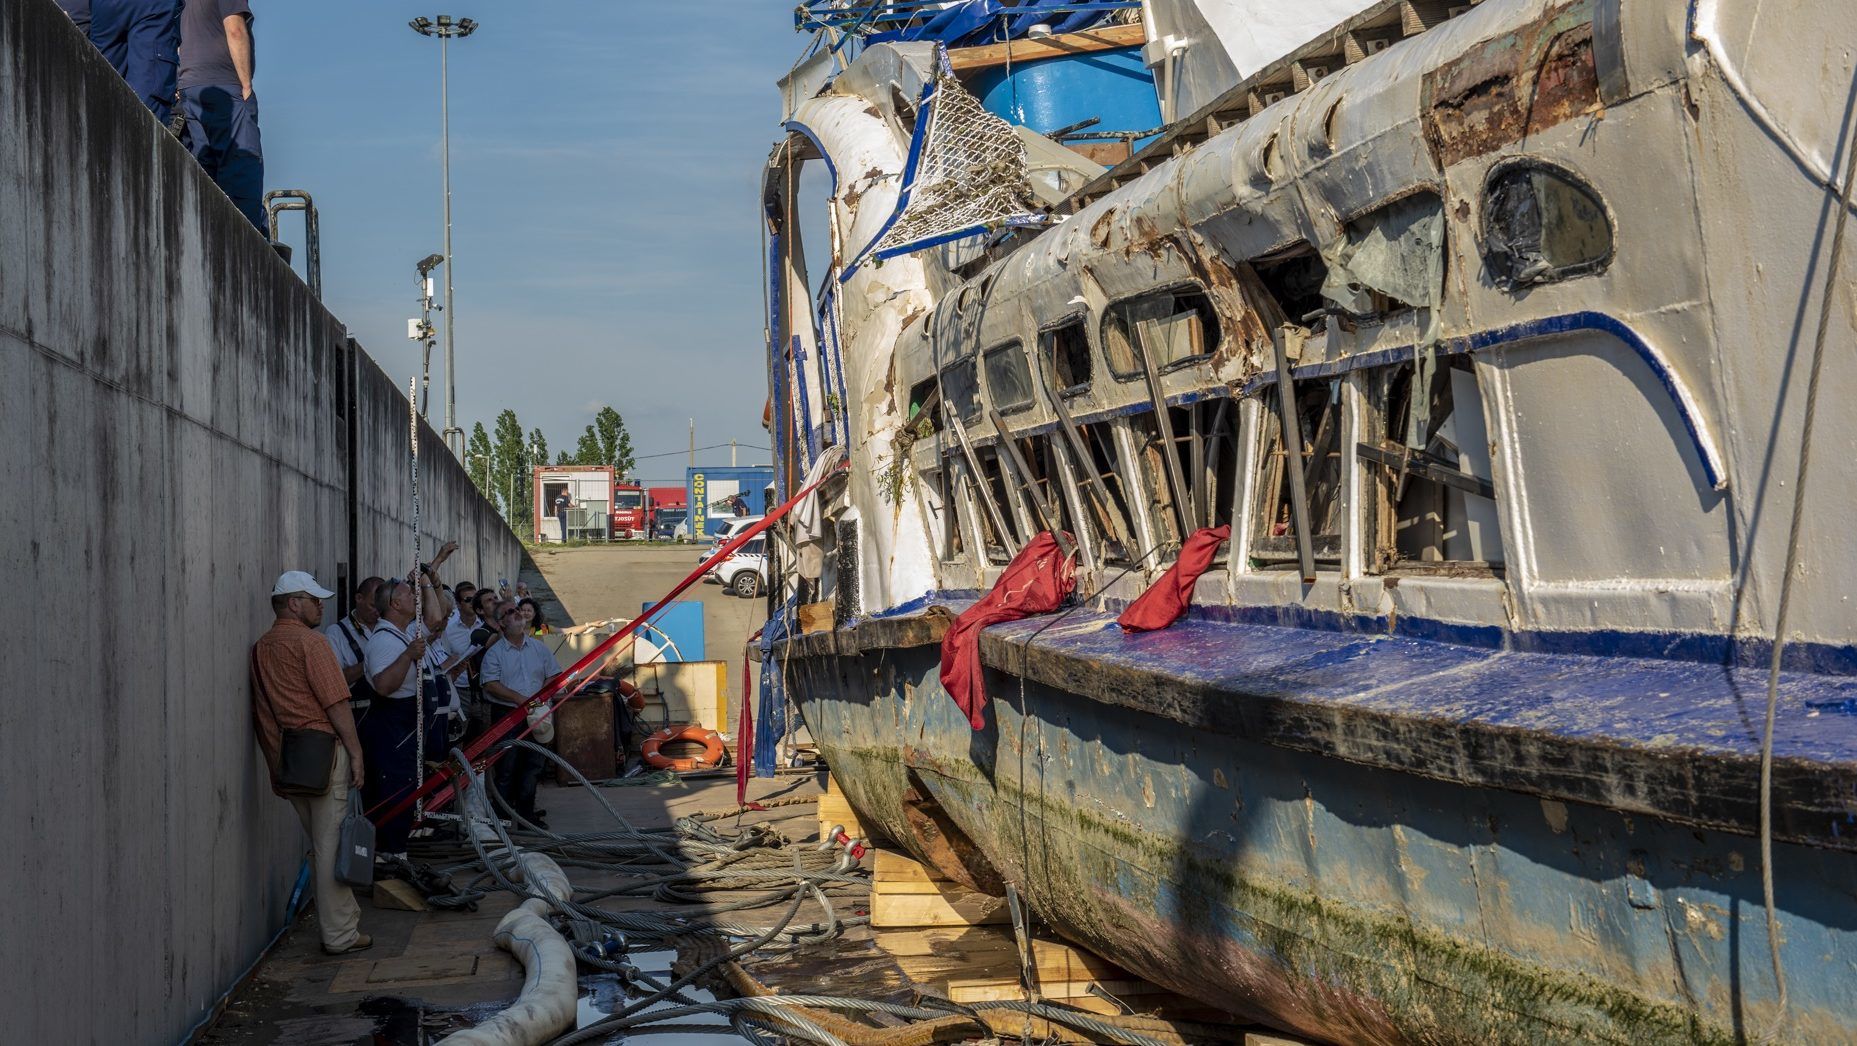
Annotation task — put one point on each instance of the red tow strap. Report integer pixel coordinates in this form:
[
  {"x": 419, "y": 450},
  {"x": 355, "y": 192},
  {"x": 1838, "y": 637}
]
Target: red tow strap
[{"x": 439, "y": 787}]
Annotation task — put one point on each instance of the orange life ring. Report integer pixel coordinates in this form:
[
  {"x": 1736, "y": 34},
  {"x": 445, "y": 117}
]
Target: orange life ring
[
  {"x": 710, "y": 740},
  {"x": 634, "y": 697}
]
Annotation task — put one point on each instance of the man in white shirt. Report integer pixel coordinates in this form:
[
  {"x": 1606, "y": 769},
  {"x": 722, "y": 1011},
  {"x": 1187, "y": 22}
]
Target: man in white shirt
[
  {"x": 514, "y": 671},
  {"x": 349, "y": 639},
  {"x": 395, "y": 653}
]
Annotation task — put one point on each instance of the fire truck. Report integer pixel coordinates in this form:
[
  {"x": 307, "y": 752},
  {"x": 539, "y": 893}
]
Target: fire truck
[{"x": 629, "y": 511}]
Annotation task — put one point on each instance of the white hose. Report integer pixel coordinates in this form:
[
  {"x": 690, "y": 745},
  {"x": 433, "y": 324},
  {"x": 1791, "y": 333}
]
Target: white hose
[{"x": 551, "y": 992}]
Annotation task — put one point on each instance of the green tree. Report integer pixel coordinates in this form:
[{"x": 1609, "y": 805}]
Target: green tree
[
  {"x": 606, "y": 442},
  {"x": 563, "y": 458},
  {"x": 477, "y": 461},
  {"x": 509, "y": 472}
]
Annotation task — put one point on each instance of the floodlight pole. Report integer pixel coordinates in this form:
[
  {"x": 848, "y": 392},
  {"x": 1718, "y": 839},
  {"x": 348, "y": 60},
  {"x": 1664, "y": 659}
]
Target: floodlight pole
[{"x": 444, "y": 27}]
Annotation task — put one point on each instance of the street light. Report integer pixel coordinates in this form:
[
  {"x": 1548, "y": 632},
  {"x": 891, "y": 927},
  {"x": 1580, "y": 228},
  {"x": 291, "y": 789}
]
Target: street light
[
  {"x": 420, "y": 329},
  {"x": 445, "y": 28}
]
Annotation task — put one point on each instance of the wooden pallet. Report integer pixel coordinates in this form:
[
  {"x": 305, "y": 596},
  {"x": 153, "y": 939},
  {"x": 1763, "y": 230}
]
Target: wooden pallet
[{"x": 905, "y": 893}]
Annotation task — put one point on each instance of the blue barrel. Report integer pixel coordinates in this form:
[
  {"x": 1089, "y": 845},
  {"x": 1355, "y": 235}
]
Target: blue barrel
[{"x": 1051, "y": 93}]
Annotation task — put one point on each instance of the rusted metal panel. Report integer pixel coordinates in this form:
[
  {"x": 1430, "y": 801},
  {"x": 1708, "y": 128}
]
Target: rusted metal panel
[{"x": 1513, "y": 86}]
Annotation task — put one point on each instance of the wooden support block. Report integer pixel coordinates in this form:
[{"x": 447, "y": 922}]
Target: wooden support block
[
  {"x": 1253, "y": 1038},
  {"x": 398, "y": 895},
  {"x": 835, "y": 809},
  {"x": 815, "y": 617},
  {"x": 990, "y": 990},
  {"x": 894, "y": 867},
  {"x": 967, "y": 908}
]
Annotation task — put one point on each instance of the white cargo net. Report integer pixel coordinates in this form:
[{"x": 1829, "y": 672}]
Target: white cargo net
[{"x": 966, "y": 175}]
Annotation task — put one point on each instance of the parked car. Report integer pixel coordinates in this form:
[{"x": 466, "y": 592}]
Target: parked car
[
  {"x": 669, "y": 523},
  {"x": 745, "y": 572},
  {"x": 721, "y": 530}
]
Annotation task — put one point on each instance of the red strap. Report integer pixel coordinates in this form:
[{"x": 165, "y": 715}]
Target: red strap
[
  {"x": 439, "y": 786},
  {"x": 1166, "y": 601}
]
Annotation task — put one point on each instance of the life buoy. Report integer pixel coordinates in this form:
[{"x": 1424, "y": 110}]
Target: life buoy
[
  {"x": 634, "y": 697},
  {"x": 709, "y": 739}
]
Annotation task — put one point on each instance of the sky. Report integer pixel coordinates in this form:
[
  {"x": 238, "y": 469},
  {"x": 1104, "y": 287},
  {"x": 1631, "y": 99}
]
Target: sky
[{"x": 605, "y": 168}]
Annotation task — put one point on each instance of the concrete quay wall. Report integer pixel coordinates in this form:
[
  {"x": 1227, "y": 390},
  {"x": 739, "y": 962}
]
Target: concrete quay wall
[{"x": 179, "y": 421}]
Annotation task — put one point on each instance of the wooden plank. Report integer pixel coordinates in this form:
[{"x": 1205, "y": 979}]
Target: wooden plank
[
  {"x": 994, "y": 991},
  {"x": 1106, "y": 38},
  {"x": 969, "y": 909},
  {"x": 815, "y": 617},
  {"x": 425, "y": 968},
  {"x": 893, "y": 867},
  {"x": 398, "y": 895}
]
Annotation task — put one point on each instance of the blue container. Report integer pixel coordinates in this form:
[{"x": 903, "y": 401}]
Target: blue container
[
  {"x": 681, "y": 624},
  {"x": 1050, "y": 93},
  {"x": 709, "y": 487}
]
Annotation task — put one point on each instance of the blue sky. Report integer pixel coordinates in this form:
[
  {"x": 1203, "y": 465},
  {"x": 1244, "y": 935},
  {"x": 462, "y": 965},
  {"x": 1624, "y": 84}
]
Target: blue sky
[{"x": 605, "y": 165}]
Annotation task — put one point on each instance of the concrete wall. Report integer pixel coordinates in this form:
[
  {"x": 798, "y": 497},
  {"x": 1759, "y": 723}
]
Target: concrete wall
[{"x": 178, "y": 422}]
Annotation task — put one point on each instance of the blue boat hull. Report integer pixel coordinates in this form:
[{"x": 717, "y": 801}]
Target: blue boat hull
[{"x": 1348, "y": 902}]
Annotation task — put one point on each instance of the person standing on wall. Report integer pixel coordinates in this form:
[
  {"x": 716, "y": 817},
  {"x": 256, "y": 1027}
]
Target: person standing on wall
[
  {"x": 217, "y": 59},
  {"x": 140, "y": 39},
  {"x": 79, "y": 12},
  {"x": 296, "y": 685},
  {"x": 514, "y": 671}
]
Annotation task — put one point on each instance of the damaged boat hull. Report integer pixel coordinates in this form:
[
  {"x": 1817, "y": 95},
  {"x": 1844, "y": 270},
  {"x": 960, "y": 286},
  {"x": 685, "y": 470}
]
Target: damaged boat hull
[{"x": 1346, "y": 902}]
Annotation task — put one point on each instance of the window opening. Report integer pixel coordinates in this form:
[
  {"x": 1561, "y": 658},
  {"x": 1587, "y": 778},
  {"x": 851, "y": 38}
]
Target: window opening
[
  {"x": 1009, "y": 378},
  {"x": 1068, "y": 348},
  {"x": 1434, "y": 495},
  {"x": 999, "y": 546},
  {"x": 1293, "y": 277},
  {"x": 1541, "y": 224},
  {"x": 961, "y": 386},
  {"x": 1390, "y": 259},
  {"x": 1044, "y": 465},
  {"x": 942, "y": 481},
  {"x": 1115, "y": 523},
  {"x": 924, "y": 409},
  {"x": 1318, "y": 413},
  {"x": 1155, "y": 491},
  {"x": 1176, "y": 327}
]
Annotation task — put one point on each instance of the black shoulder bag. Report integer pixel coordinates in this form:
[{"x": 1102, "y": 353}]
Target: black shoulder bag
[{"x": 305, "y": 758}]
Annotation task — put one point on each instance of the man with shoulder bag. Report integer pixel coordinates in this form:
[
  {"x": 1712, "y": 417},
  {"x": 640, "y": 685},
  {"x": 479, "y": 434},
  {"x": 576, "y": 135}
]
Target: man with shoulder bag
[{"x": 300, "y": 712}]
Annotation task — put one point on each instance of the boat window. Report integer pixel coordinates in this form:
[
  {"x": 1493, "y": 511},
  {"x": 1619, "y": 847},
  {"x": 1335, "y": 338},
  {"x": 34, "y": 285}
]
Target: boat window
[
  {"x": 1390, "y": 259},
  {"x": 944, "y": 504},
  {"x": 1045, "y": 480},
  {"x": 1068, "y": 349},
  {"x": 993, "y": 486},
  {"x": 1009, "y": 377},
  {"x": 961, "y": 387},
  {"x": 924, "y": 409},
  {"x": 1112, "y": 521},
  {"x": 1151, "y": 480},
  {"x": 1541, "y": 224},
  {"x": 1293, "y": 277},
  {"x": 1427, "y": 452},
  {"x": 1319, "y": 417},
  {"x": 1175, "y": 326}
]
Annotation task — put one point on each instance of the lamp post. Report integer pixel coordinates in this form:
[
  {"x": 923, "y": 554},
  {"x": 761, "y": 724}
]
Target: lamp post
[{"x": 445, "y": 28}]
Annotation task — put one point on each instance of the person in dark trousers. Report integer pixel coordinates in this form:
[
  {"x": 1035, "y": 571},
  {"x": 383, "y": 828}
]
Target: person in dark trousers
[
  {"x": 217, "y": 59},
  {"x": 79, "y": 10},
  {"x": 141, "y": 40},
  {"x": 562, "y": 502},
  {"x": 514, "y": 671}
]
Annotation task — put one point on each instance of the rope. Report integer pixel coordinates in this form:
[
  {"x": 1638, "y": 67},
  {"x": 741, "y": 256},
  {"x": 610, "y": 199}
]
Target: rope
[{"x": 1792, "y": 560}]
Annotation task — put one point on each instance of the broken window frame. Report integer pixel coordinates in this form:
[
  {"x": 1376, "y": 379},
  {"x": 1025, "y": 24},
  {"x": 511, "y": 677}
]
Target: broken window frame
[
  {"x": 1273, "y": 270},
  {"x": 1381, "y": 451},
  {"x": 1324, "y": 434},
  {"x": 1048, "y": 349},
  {"x": 1015, "y": 350},
  {"x": 994, "y": 483},
  {"x": 1379, "y": 304},
  {"x": 1498, "y": 247},
  {"x": 1212, "y": 334}
]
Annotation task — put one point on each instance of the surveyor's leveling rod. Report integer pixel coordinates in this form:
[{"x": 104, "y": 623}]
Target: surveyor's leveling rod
[
  {"x": 566, "y": 685},
  {"x": 419, "y": 603}
]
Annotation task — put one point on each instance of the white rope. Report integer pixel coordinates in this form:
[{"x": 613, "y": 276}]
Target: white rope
[{"x": 419, "y": 675}]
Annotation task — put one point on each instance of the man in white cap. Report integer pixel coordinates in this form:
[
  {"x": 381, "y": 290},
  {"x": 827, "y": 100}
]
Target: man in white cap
[{"x": 297, "y": 685}]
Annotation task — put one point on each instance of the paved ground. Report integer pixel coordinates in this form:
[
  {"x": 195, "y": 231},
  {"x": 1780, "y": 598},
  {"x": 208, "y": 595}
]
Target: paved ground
[{"x": 431, "y": 973}]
